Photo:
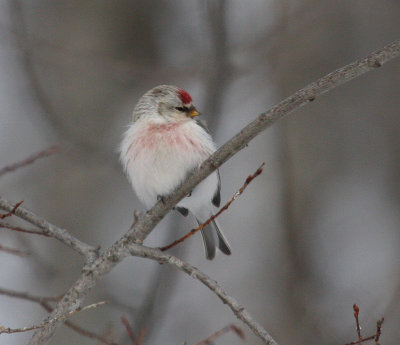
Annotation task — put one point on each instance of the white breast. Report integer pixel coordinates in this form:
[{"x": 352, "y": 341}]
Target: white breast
[{"x": 157, "y": 156}]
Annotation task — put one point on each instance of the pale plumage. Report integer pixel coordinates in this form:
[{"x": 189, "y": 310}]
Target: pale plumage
[{"x": 161, "y": 146}]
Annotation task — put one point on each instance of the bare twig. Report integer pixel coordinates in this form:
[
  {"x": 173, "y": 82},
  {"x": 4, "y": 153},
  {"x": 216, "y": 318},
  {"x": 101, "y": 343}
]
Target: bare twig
[
  {"x": 131, "y": 334},
  {"x": 356, "y": 312},
  {"x": 14, "y": 251},
  {"x": 50, "y": 229},
  {"x": 140, "y": 338},
  {"x": 44, "y": 303},
  {"x": 19, "y": 229},
  {"x": 11, "y": 210},
  {"x": 9, "y": 330},
  {"x": 378, "y": 330},
  {"x": 222, "y": 331},
  {"x": 224, "y": 208},
  {"x": 129, "y": 330},
  {"x": 29, "y": 160},
  {"x": 28, "y": 297},
  {"x": 375, "y": 337},
  {"x": 240, "y": 312},
  {"x": 146, "y": 223}
]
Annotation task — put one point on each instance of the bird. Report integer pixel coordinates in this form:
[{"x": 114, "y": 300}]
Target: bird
[{"x": 164, "y": 143}]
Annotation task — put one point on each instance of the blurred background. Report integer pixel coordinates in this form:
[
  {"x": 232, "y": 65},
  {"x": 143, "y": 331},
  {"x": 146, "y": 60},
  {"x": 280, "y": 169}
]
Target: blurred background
[{"x": 315, "y": 233}]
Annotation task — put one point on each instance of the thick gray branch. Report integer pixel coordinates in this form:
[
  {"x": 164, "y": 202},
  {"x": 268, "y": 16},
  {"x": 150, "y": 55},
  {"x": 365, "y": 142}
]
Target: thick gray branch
[
  {"x": 52, "y": 230},
  {"x": 119, "y": 250}
]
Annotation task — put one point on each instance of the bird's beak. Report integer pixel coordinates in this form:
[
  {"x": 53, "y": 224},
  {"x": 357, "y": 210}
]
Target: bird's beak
[{"x": 193, "y": 112}]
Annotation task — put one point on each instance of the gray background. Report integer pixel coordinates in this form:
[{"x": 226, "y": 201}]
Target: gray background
[{"x": 315, "y": 233}]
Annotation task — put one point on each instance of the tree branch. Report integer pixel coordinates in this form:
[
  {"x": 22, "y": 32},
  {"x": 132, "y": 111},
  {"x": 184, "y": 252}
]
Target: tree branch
[
  {"x": 226, "y": 329},
  {"x": 9, "y": 330},
  {"x": 240, "y": 312},
  {"x": 119, "y": 250},
  {"x": 221, "y": 210},
  {"x": 44, "y": 303},
  {"x": 52, "y": 230},
  {"x": 19, "y": 229},
  {"x": 29, "y": 160}
]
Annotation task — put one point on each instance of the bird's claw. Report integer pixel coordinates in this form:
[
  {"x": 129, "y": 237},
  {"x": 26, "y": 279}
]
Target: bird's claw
[{"x": 161, "y": 198}]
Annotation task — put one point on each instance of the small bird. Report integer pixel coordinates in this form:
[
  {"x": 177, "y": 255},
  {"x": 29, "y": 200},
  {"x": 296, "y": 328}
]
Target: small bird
[{"x": 162, "y": 145}]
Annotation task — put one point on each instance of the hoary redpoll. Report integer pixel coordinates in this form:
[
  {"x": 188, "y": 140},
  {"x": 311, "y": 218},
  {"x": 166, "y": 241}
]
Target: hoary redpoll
[{"x": 162, "y": 145}]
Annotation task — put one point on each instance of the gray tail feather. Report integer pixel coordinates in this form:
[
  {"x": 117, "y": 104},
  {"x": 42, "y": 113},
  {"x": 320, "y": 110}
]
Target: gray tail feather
[{"x": 211, "y": 235}]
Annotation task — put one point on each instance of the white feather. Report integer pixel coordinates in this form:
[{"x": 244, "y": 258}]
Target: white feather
[
  {"x": 157, "y": 169},
  {"x": 160, "y": 148}
]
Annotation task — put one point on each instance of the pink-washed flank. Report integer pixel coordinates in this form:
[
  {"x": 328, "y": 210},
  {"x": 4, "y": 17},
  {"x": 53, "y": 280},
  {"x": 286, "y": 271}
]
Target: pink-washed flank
[
  {"x": 157, "y": 156},
  {"x": 176, "y": 136}
]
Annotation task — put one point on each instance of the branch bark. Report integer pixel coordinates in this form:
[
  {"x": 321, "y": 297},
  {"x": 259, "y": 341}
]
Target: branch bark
[
  {"x": 29, "y": 160},
  {"x": 120, "y": 249},
  {"x": 240, "y": 312},
  {"x": 52, "y": 230}
]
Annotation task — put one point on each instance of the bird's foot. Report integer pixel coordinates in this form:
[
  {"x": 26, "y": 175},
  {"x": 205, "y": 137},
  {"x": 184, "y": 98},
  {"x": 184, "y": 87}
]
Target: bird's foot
[{"x": 161, "y": 198}]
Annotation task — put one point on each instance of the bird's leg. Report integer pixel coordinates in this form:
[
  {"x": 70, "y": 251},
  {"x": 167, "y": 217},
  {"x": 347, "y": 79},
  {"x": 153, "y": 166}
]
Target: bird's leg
[{"x": 161, "y": 198}]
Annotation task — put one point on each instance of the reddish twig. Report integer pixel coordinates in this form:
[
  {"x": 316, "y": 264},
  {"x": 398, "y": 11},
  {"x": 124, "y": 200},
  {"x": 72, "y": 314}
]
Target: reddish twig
[
  {"x": 378, "y": 330},
  {"x": 29, "y": 160},
  {"x": 222, "y": 331},
  {"x": 375, "y": 337},
  {"x": 224, "y": 208},
  {"x": 9, "y": 214},
  {"x": 141, "y": 336},
  {"x": 14, "y": 251},
  {"x": 356, "y": 312},
  {"x": 19, "y": 229},
  {"x": 129, "y": 330},
  {"x": 131, "y": 334}
]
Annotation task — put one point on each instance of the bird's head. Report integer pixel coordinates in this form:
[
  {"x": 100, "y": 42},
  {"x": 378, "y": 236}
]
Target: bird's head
[{"x": 169, "y": 102}]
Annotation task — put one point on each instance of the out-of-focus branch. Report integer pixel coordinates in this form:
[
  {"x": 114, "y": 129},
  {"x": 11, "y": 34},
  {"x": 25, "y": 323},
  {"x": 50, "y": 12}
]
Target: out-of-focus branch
[
  {"x": 9, "y": 330},
  {"x": 135, "y": 340},
  {"x": 240, "y": 312},
  {"x": 146, "y": 223},
  {"x": 19, "y": 229},
  {"x": 222, "y": 209},
  {"x": 14, "y": 251},
  {"x": 29, "y": 160},
  {"x": 222, "y": 331},
  {"x": 52, "y": 230},
  {"x": 44, "y": 302}
]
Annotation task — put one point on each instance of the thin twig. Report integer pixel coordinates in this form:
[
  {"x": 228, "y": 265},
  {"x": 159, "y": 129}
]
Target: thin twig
[
  {"x": 44, "y": 303},
  {"x": 29, "y": 160},
  {"x": 89, "y": 252},
  {"x": 26, "y": 296},
  {"x": 140, "y": 338},
  {"x": 112, "y": 256},
  {"x": 224, "y": 208},
  {"x": 356, "y": 312},
  {"x": 12, "y": 211},
  {"x": 14, "y": 251},
  {"x": 375, "y": 337},
  {"x": 19, "y": 229},
  {"x": 378, "y": 330},
  {"x": 129, "y": 330},
  {"x": 9, "y": 330},
  {"x": 222, "y": 331},
  {"x": 240, "y": 312}
]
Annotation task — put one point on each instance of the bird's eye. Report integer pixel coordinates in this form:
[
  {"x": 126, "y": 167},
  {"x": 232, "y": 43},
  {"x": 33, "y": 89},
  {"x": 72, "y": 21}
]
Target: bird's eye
[{"x": 181, "y": 109}]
